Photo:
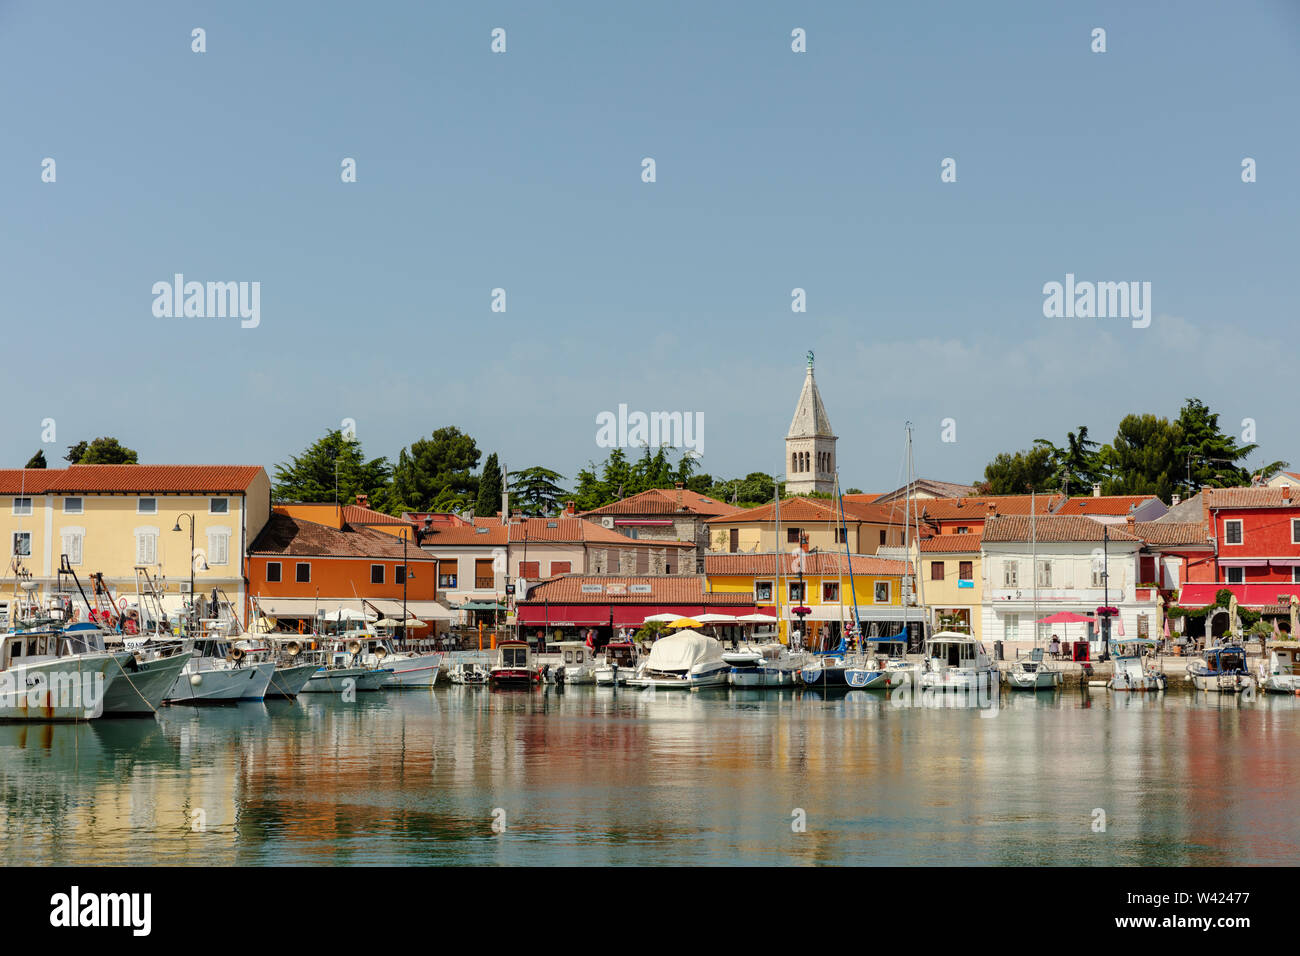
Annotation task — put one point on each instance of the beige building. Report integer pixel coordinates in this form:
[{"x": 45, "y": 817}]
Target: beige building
[{"x": 949, "y": 581}]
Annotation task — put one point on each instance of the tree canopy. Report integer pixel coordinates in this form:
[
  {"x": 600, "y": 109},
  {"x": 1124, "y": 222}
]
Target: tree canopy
[
  {"x": 101, "y": 451},
  {"x": 310, "y": 476}
]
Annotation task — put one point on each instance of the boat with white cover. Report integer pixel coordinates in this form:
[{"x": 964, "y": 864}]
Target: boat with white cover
[
  {"x": 687, "y": 660},
  {"x": 1131, "y": 670},
  {"x": 1281, "y": 673}
]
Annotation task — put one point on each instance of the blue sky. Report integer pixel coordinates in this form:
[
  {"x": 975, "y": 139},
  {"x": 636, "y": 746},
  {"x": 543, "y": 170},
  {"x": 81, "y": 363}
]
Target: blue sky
[{"x": 522, "y": 170}]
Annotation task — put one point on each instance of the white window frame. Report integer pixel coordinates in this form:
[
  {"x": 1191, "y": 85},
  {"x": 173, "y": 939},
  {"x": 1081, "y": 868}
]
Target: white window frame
[
  {"x": 889, "y": 592},
  {"x": 17, "y": 511},
  {"x": 770, "y": 592},
  {"x": 279, "y": 567},
  {"x": 1295, "y": 574},
  {"x": 307, "y": 565},
  {"x": 213, "y": 501},
  {"x": 1010, "y": 627},
  {"x": 1240, "y": 571},
  {"x": 139, "y": 506},
  {"x": 1011, "y": 574},
  {"x": 81, "y": 506},
  {"x": 1044, "y": 573},
  {"x": 79, "y": 534},
  {"x": 1241, "y": 529},
  {"x": 13, "y": 544},
  {"x": 140, "y": 535},
  {"x": 383, "y": 575},
  {"x": 830, "y": 584},
  {"x": 789, "y": 591},
  {"x": 218, "y": 546},
  {"x": 1295, "y": 524}
]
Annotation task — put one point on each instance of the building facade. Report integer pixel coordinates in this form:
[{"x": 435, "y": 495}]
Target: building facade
[{"x": 810, "y": 443}]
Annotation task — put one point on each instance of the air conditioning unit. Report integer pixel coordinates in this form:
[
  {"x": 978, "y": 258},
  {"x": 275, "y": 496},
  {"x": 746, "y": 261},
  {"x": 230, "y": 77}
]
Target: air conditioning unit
[
  {"x": 185, "y": 587},
  {"x": 607, "y": 521}
]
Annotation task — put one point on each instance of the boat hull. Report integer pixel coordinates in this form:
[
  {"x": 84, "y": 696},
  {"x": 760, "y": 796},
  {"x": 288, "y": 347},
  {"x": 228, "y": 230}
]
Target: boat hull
[
  {"x": 340, "y": 680},
  {"x": 861, "y": 678},
  {"x": 216, "y": 685},
  {"x": 140, "y": 692},
  {"x": 412, "y": 672},
  {"x": 1223, "y": 683},
  {"x": 763, "y": 677},
  {"x": 959, "y": 679},
  {"x": 60, "y": 689},
  {"x": 818, "y": 675},
  {"x": 513, "y": 677},
  {"x": 288, "y": 682},
  {"x": 1041, "y": 680},
  {"x": 1282, "y": 683}
]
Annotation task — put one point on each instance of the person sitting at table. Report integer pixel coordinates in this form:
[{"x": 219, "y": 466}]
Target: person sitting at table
[{"x": 1054, "y": 647}]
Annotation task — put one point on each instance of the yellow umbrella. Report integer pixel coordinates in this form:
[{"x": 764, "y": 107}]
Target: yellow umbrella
[{"x": 685, "y": 622}]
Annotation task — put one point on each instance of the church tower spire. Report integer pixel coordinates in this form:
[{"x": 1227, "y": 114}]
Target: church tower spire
[{"x": 810, "y": 443}]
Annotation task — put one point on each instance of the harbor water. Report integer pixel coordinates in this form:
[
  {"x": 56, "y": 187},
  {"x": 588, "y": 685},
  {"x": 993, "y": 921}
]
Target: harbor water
[{"x": 467, "y": 775}]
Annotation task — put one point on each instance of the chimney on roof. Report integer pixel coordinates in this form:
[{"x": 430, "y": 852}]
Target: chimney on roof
[
  {"x": 517, "y": 517},
  {"x": 993, "y": 509},
  {"x": 570, "y": 509},
  {"x": 1174, "y": 500},
  {"x": 1128, "y": 520},
  {"x": 363, "y": 501},
  {"x": 1096, "y": 490},
  {"x": 1286, "y": 492},
  {"x": 961, "y": 502}
]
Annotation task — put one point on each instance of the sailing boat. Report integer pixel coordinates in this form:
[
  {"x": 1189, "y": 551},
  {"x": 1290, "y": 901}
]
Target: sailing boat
[
  {"x": 889, "y": 667},
  {"x": 1034, "y": 673}
]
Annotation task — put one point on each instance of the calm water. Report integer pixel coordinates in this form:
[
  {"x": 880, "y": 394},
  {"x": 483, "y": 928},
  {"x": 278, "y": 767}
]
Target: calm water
[{"x": 595, "y": 776}]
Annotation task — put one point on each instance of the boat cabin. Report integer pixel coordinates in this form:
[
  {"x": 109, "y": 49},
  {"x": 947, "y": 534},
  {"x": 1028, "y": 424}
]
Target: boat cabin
[
  {"x": 514, "y": 655},
  {"x": 1284, "y": 657},
  {"x": 1226, "y": 659},
  {"x": 620, "y": 654},
  {"x": 948, "y": 649}
]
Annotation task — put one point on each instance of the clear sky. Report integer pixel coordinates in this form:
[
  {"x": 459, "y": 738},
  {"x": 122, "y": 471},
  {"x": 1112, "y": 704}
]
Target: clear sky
[{"x": 522, "y": 171}]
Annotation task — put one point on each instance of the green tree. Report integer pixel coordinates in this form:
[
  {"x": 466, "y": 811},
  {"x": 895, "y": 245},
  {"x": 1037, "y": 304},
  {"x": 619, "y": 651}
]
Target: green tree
[
  {"x": 616, "y": 476},
  {"x": 310, "y": 476},
  {"x": 101, "y": 451},
  {"x": 489, "y": 488},
  {"x": 1076, "y": 466},
  {"x": 1209, "y": 457},
  {"x": 1015, "y": 473},
  {"x": 535, "y": 491},
  {"x": 591, "y": 492},
  {"x": 1143, "y": 458},
  {"x": 437, "y": 473},
  {"x": 36, "y": 461}
]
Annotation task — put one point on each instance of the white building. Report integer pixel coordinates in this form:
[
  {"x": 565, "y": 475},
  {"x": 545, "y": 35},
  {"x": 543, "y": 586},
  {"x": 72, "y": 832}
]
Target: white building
[
  {"x": 810, "y": 443},
  {"x": 1059, "y": 564}
]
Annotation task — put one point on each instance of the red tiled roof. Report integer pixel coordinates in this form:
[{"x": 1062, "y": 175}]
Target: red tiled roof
[
  {"x": 486, "y": 532},
  {"x": 1051, "y": 528},
  {"x": 359, "y": 515},
  {"x": 155, "y": 479},
  {"x": 28, "y": 481},
  {"x": 446, "y": 518},
  {"x": 819, "y": 562},
  {"x": 1262, "y": 497},
  {"x": 948, "y": 509},
  {"x": 1172, "y": 533},
  {"x": 863, "y": 498},
  {"x": 664, "y": 589},
  {"x": 951, "y": 544},
  {"x": 660, "y": 501},
  {"x": 1105, "y": 505},
  {"x": 580, "y": 530},
  {"x": 294, "y": 536}
]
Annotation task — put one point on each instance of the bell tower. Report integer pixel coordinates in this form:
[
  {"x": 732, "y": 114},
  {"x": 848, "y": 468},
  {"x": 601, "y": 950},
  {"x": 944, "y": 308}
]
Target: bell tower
[{"x": 810, "y": 443}]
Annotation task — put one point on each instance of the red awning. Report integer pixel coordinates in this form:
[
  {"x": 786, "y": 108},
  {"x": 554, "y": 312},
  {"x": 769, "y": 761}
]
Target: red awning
[{"x": 563, "y": 615}]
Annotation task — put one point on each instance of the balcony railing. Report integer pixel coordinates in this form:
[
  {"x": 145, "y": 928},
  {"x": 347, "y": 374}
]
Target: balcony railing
[{"x": 484, "y": 584}]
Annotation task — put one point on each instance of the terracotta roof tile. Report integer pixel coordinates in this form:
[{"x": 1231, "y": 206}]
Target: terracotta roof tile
[
  {"x": 1104, "y": 505},
  {"x": 1264, "y": 497},
  {"x": 664, "y": 589},
  {"x": 1172, "y": 533},
  {"x": 580, "y": 530},
  {"x": 160, "y": 479},
  {"x": 951, "y": 544},
  {"x": 819, "y": 562},
  {"x": 28, "y": 481},
  {"x": 359, "y": 515},
  {"x": 294, "y": 536},
  {"x": 659, "y": 501},
  {"x": 1051, "y": 528},
  {"x": 977, "y": 507}
]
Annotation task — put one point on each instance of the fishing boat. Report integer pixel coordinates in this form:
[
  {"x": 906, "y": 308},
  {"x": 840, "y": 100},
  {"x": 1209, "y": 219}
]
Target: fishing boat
[
  {"x": 1132, "y": 671},
  {"x": 1222, "y": 669},
  {"x": 342, "y": 671},
  {"x": 468, "y": 673},
  {"x": 885, "y": 668},
  {"x": 409, "y": 670},
  {"x": 46, "y": 675},
  {"x": 294, "y": 666},
  {"x": 567, "y": 662},
  {"x": 514, "y": 666},
  {"x": 619, "y": 664},
  {"x": 687, "y": 660},
  {"x": 955, "y": 661},
  {"x": 765, "y": 665},
  {"x": 1281, "y": 674},
  {"x": 217, "y": 673},
  {"x": 1033, "y": 673},
  {"x": 146, "y": 678}
]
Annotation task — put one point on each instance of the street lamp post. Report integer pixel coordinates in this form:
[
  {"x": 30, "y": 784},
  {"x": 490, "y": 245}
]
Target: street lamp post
[{"x": 177, "y": 527}]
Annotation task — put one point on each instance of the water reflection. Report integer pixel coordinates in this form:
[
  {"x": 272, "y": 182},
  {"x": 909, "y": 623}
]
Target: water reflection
[{"x": 600, "y": 775}]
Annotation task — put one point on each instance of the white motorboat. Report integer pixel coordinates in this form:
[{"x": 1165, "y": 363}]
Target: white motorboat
[
  {"x": 469, "y": 673},
  {"x": 687, "y": 660},
  {"x": 1222, "y": 669},
  {"x": 46, "y": 675},
  {"x": 1033, "y": 673},
  {"x": 765, "y": 665},
  {"x": 1281, "y": 673},
  {"x": 219, "y": 674},
  {"x": 409, "y": 670},
  {"x": 619, "y": 664},
  {"x": 957, "y": 662},
  {"x": 1132, "y": 672},
  {"x": 884, "y": 667},
  {"x": 567, "y": 662}
]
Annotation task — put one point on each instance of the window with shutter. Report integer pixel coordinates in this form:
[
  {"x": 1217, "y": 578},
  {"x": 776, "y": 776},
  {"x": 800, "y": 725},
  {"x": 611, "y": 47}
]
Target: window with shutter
[
  {"x": 530, "y": 570},
  {"x": 218, "y": 548},
  {"x": 72, "y": 542},
  {"x": 146, "y": 548}
]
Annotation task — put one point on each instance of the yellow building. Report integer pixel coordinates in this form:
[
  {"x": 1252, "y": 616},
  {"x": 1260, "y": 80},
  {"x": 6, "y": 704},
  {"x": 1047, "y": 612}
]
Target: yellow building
[
  {"x": 825, "y": 588},
  {"x": 950, "y": 581},
  {"x": 755, "y": 530},
  {"x": 112, "y": 519}
]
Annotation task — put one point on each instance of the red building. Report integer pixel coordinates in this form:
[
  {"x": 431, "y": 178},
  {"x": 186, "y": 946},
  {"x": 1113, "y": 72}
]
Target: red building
[{"x": 1256, "y": 539}]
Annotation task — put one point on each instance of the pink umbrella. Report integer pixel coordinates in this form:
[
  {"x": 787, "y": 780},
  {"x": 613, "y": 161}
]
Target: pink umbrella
[{"x": 1065, "y": 617}]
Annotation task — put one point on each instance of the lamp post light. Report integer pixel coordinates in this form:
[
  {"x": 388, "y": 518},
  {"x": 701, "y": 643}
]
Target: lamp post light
[{"x": 177, "y": 527}]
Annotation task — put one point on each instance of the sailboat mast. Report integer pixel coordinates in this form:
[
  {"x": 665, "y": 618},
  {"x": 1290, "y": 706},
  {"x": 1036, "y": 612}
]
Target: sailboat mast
[
  {"x": 848, "y": 559},
  {"x": 1033, "y": 557},
  {"x": 776, "y": 548}
]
